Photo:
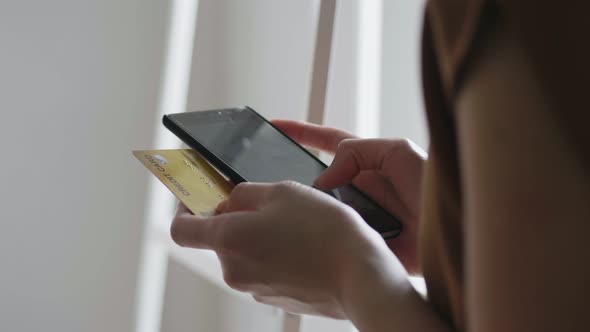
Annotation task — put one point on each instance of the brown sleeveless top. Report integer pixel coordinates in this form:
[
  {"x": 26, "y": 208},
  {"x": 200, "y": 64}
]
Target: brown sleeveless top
[{"x": 552, "y": 35}]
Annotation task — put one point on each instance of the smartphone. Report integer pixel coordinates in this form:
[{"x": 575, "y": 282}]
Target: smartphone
[{"x": 245, "y": 146}]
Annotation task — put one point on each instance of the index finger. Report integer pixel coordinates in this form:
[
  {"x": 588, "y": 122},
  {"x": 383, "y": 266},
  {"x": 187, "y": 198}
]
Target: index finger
[{"x": 312, "y": 135}]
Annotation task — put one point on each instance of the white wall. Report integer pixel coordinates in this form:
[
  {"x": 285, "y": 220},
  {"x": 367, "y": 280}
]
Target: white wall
[
  {"x": 193, "y": 304},
  {"x": 78, "y": 88},
  {"x": 402, "y": 106},
  {"x": 256, "y": 53},
  {"x": 341, "y": 99}
]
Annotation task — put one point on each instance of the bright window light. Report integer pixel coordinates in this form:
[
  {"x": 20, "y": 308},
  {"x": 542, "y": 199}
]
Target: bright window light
[
  {"x": 173, "y": 98},
  {"x": 369, "y": 67}
]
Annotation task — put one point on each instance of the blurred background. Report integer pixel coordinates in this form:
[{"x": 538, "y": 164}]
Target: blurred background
[{"x": 84, "y": 240}]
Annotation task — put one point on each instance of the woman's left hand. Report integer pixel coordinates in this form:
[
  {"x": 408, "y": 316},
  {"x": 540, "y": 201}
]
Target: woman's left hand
[{"x": 291, "y": 246}]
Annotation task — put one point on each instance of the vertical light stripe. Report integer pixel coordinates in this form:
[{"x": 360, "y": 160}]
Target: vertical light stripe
[
  {"x": 370, "y": 26},
  {"x": 321, "y": 61},
  {"x": 160, "y": 204}
]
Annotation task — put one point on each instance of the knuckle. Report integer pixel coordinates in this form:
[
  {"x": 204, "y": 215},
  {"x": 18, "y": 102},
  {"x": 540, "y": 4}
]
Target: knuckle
[
  {"x": 348, "y": 143},
  {"x": 287, "y": 184},
  {"x": 406, "y": 144},
  {"x": 287, "y": 189},
  {"x": 278, "y": 190},
  {"x": 350, "y": 147},
  {"x": 404, "y": 149},
  {"x": 413, "y": 149},
  {"x": 400, "y": 145},
  {"x": 284, "y": 187}
]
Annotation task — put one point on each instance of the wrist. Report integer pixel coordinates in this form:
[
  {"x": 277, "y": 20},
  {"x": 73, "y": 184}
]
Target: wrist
[
  {"x": 372, "y": 283},
  {"x": 376, "y": 295}
]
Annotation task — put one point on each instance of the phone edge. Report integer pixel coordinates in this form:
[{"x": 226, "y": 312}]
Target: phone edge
[{"x": 181, "y": 132}]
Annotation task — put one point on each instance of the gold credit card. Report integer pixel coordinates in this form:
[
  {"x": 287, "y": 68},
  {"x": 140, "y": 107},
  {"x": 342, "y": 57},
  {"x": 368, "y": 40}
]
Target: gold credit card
[{"x": 189, "y": 177}]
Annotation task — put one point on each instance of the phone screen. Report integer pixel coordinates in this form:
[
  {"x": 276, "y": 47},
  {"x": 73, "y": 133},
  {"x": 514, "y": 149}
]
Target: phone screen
[
  {"x": 251, "y": 147},
  {"x": 258, "y": 152}
]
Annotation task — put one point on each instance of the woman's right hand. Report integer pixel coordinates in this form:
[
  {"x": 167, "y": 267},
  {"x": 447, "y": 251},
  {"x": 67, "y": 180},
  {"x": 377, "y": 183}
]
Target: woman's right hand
[{"x": 388, "y": 170}]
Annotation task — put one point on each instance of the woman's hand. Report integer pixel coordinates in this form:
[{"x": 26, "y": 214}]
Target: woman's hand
[
  {"x": 388, "y": 170},
  {"x": 291, "y": 246}
]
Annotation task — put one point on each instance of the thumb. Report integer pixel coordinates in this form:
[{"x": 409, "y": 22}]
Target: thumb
[
  {"x": 342, "y": 171},
  {"x": 356, "y": 155},
  {"x": 352, "y": 157}
]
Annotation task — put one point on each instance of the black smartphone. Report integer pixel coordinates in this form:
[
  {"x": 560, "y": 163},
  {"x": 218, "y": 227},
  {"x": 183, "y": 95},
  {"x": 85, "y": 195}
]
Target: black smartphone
[{"x": 245, "y": 146}]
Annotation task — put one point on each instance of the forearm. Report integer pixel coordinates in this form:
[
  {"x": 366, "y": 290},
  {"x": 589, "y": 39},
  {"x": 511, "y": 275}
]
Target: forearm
[{"x": 383, "y": 299}]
